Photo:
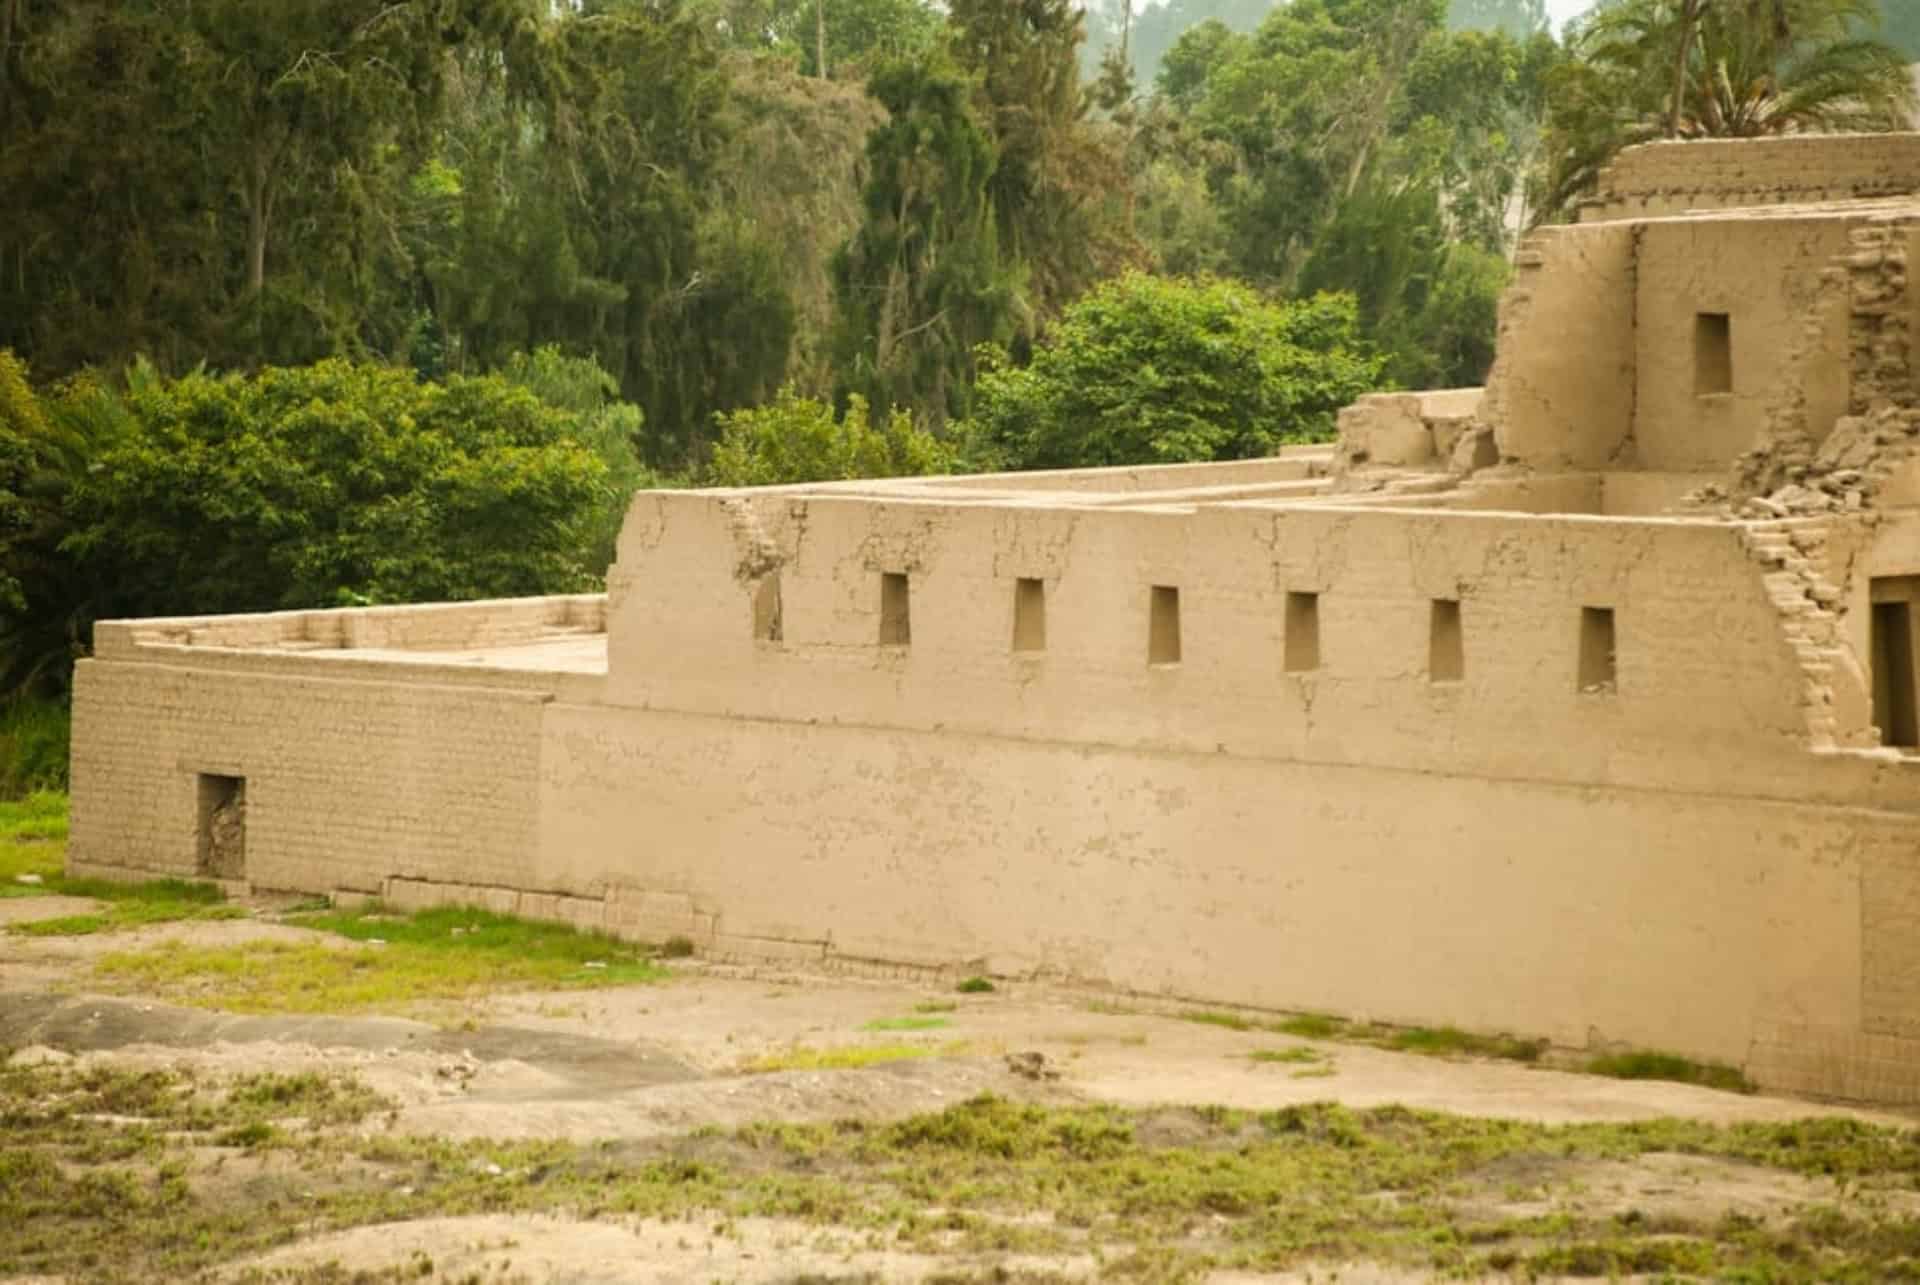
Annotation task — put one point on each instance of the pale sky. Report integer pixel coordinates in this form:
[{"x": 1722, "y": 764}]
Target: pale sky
[{"x": 1561, "y": 10}]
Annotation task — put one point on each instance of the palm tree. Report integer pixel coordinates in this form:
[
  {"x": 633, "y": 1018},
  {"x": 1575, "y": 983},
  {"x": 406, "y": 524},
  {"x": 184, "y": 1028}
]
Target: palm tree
[{"x": 1646, "y": 69}]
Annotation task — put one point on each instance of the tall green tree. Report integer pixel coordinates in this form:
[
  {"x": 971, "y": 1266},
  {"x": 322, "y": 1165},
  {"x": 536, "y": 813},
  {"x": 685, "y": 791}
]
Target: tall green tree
[
  {"x": 923, "y": 281},
  {"x": 1057, "y": 189},
  {"x": 576, "y": 206},
  {"x": 1309, "y": 102},
  {"x": 1355, "y": 146}
]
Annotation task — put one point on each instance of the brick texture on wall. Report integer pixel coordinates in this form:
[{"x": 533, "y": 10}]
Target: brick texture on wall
[
  {"x": 1666, "y": 178},
  {"x": 347, "y": 783}
]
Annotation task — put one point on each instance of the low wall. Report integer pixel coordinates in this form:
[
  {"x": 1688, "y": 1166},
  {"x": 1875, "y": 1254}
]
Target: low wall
[
  {"x": 491, "y": 622},
  {"x": 347, "y": 782},
  {"x": 1670, "y": 177}
]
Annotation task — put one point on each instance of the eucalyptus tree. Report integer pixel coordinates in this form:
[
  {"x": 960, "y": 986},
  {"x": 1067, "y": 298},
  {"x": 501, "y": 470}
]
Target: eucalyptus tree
[
  {"x": 923, "y": 281},
  {"x": 1057, "y": 190}
]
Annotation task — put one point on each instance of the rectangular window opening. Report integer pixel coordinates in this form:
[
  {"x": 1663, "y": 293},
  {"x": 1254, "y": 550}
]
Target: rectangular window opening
[
  {"x": 1712, "y": 353},
  {"x": 766, "y": 608},
  {"x": 896, "y": 622},
  {"x": 223, "y": 827},
  {"x": 1597, "y": 668},
  {"x": 1303, "y": 632},
  {"x": 1446, "y": 649},
  {"x": 1894, "y": 711},
  {"x": 1163, "y": 626},
  {"x": 1029, "y": 615}
]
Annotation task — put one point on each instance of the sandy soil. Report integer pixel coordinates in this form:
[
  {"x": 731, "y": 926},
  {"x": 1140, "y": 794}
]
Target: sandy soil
[{"x": 654, "y": 1061}]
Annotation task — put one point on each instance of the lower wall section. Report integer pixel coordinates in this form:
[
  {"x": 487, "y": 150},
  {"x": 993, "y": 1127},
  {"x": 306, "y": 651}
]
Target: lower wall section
[
  {"x": 1586, "y": 915},
  {"x": 1782, "y": 937},
  {"x": 346, "y": 783}
]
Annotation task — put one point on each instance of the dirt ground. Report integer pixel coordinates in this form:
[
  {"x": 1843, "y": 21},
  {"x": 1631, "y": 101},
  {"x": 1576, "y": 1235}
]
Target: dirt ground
[{"x": 661, "y": 1061}]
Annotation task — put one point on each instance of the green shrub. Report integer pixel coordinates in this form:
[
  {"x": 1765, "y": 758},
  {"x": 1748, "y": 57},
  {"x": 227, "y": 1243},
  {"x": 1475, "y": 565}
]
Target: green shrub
[
  {"x": 798, "y": 439},
  {"x": 1147, "y": 369},
  {"x": 33, "y": 747}
]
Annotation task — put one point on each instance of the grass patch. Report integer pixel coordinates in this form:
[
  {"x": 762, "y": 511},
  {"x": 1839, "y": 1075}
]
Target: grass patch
[
  {"x": 975, "y": 986},
  {"x": 1430, "y": 1041},
  {"x": 1167, "y": 1194},
  {"x": 1448, "y": 1041},
  {"x": 1312, "y": 1026},
  {"x": 1299, "y": 1054},
  {"x": 308, "y": 1095},
  {"x": 849, "y": 1057},
  {"x": 435, "y": 955},
  {"x": 33, "y": 834},
  {"x": 935, "y": 1006},
  {"x": 34, "y": 736},
  {"x": 1668, "y": 1066},
  {"x": 40, "y": 815},
  {"x": 905, "y": 1024},
  {"x": 131, "y": 905}
]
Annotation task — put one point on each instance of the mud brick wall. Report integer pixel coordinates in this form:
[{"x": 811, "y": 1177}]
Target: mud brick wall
[
  {"x": 1667, "y": 178},
  {"x": 347, "y": 783}
]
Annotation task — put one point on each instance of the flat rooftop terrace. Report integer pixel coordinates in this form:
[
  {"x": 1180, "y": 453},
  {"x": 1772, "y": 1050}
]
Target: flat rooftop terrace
[
  {"x": 561, "y": 654},
  {"x": 536, "y": 643}
]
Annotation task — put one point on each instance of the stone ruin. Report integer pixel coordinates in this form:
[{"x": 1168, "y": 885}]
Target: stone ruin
[{"x": 1582, "y": 706}]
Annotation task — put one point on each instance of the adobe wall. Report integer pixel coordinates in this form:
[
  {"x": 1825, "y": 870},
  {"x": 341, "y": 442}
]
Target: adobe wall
[
  {"x": 1583, "y": 913},
  {"x": 1665, "y": 865},
  {"x": 1764, "y": 276},
  {"x": 1601, "y": 363},
  {"x": 366, "y": 754},
  {"x": 1664, "y": 178},
  {"x": 1560, "y": 394},
  {"x": 347, "y": 783},
  {"x": 1701, "y": 657}
]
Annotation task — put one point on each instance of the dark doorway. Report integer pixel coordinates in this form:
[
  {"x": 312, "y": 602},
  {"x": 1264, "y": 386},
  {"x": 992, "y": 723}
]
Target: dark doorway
[
  {"x": 223, "y": 827},
  {"x": 1893, "y": 707}
]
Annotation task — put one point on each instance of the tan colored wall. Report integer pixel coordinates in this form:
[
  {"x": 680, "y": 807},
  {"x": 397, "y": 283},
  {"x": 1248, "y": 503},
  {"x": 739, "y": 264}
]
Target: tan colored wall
[
  {"x": 1658, "y": 919},
  {"x": 347, "y": 782},
  {"x": 1764, "y": 274},
  {"x": 1561, "y": 391},
  {"x": 1702, "y": 662},
  {"x": 1668, "y": 178},
  {"x": 437, "y": 624}
]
